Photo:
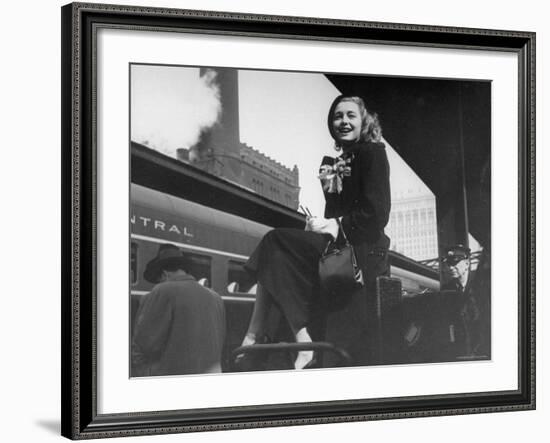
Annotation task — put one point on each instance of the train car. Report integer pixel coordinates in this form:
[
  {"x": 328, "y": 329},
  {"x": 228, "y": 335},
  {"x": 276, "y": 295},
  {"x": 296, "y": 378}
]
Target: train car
[{"x": 218, "y": 244}]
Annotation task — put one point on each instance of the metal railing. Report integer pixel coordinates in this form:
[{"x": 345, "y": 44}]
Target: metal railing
[
  {"x": 434, "y": 262},
  {"x": 345, "y": 359}
]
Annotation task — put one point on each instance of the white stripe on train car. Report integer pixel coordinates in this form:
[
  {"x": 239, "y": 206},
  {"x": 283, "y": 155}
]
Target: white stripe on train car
[
  {"x": 224, "y": 297},
  {"x": 185, "y": 245}
]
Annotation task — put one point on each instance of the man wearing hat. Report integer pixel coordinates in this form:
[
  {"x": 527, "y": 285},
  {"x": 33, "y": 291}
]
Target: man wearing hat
[
  {"x": 180, "y": 325},
  {"x": 456, "y": 262}
]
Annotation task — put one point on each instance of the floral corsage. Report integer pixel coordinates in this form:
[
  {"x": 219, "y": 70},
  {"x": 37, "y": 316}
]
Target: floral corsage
[{"x": 331, "y": 176}]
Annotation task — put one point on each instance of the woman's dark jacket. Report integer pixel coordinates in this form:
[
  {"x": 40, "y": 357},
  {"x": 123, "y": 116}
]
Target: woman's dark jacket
[{"x": 364, "y": 205}]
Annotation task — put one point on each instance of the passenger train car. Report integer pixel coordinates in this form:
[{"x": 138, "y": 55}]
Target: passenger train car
[{"x": 218, "y": 244}]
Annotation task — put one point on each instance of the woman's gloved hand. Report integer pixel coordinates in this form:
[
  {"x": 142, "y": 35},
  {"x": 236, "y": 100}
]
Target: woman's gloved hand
[{"x": 322, "y": 226}]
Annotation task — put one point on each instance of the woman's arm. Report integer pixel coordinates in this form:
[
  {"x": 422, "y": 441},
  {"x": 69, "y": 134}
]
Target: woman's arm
[{"x": 372, "y": 207}]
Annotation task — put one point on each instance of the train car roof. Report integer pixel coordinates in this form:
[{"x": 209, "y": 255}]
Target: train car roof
[
  {"x": 168, "y": 204},
  {"x": 155, "y": 170}
]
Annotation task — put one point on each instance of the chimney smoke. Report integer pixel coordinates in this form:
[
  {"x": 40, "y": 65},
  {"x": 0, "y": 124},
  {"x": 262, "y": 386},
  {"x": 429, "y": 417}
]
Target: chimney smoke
[{"x": 171, "y": 106}]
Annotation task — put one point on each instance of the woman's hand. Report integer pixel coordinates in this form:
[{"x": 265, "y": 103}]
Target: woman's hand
[
  {"x": 309, "y": 223},
  {"x": 322, "y": 225}
]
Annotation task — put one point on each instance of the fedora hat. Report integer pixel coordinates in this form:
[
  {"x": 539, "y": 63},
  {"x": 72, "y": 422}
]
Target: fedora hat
[{"x": 168, "y": 255}]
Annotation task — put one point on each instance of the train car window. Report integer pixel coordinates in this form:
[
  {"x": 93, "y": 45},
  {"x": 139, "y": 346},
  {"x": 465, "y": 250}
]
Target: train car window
[
  {"x": 204, "y": 282},
  {"x": 201, "y": 268},
  {"x": 238, "y": 280},
  {"x": 133, "y": 263},
  {"x": 233, "y": 287}
]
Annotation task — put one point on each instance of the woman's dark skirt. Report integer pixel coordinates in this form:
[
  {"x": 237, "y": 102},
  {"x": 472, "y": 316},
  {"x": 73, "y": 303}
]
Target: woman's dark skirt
[{"x": 286, "y": 264}]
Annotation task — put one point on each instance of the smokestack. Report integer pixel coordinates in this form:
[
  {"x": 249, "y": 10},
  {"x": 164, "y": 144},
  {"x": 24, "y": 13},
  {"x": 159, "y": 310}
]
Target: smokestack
[
  {"x": 226, "y": 130},
  {"x": 218, "y": 149}
]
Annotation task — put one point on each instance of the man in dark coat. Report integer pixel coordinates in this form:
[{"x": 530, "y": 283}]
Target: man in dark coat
[
  {"x": 456, "y": 262},
  {"x": 180, "y": 325}
]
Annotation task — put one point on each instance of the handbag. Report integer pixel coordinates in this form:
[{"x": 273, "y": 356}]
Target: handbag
[{"x": 339, "y": 273}]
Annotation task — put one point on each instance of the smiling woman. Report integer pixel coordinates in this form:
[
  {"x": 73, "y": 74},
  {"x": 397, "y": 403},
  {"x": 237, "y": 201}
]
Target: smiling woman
[
  {"x": 351, "y": 121},
  {"x": 357, "y": 207},
  {"x": 346, "y": 123}
]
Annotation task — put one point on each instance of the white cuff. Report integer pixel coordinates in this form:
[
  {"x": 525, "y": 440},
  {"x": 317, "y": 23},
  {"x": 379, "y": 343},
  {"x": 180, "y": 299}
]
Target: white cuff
[{"x": 330, "y": 227}]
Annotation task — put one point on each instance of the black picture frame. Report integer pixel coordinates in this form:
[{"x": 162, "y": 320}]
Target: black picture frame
[{"x": 79, "y": 211}]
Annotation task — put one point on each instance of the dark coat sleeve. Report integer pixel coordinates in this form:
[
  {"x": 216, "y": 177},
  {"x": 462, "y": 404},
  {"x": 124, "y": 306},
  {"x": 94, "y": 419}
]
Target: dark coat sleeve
[{"x": 374, "y": 203}]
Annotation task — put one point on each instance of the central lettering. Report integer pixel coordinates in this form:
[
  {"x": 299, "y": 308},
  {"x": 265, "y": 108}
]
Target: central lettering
[{"x": 159, "y": 225}]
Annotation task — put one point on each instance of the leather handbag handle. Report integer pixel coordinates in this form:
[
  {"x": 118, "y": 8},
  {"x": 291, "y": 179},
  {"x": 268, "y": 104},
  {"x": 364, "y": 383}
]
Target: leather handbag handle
[
  {"x": 331, "y": 242},
  {"x": 342, "y": 229}
]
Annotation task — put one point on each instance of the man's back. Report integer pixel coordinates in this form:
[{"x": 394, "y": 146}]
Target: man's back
[{"x": 180, "y": 329}]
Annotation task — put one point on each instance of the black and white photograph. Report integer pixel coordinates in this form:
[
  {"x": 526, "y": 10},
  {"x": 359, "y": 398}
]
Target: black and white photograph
[
  {"x": 271, "y": 220},
  {"x": 288, "y": 221}
]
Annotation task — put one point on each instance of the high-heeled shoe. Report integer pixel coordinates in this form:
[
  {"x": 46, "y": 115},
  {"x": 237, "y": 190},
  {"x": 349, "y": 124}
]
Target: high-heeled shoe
[{"x": 315, "y": 362}]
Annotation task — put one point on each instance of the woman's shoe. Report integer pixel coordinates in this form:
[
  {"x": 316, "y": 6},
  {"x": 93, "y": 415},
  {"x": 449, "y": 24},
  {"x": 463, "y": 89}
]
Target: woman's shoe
[{"x": 314, "y": 363}]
